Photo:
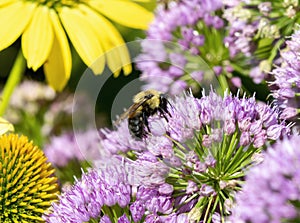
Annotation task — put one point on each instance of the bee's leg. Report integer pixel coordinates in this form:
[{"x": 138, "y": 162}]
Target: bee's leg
[
  {"x": 164, "y": 109},
  {"x": 162, "y": 112},
  {"x": 167, "y": 111},
  {"x": 146, "y": 121},
  {"x": 164, "y": 105}
]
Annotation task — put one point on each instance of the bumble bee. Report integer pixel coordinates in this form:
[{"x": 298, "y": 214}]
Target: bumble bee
[{"x": 145, "y": 104}]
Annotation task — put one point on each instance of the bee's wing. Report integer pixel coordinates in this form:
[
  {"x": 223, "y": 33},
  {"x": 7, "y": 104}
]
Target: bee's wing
[
  {"x": 130, "y": 111},
  {"x": 122, "y": 117}
]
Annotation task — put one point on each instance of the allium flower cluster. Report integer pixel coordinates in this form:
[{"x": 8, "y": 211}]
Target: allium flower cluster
[
  {"x": 256, "y": 30},
  {"x": 179, "y": 52},
  {"x": 93, "y": 195},
  {"x": 192, "y": 43},
  {"x": 69, "y": 146},
  {"x": 287, "y": 78},
  {"x": 204, "y": 147},
  {"x": 271, "y": 192}
]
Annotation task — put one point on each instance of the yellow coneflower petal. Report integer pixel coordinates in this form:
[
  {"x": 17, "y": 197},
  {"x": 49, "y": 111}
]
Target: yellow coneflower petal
[
  {"x": 13, "y": 20},
  {"x": 5, "y": 126},
  {"x": 37, "y": 38},
  {"x": 119, "y": 47},
  {"x": 124, "y": 12},
  {"x": 108, "y": 42},
  {"x": 6, "y": 2},
  {"x": 59, "y": 63},
  {"x": 83, "y": 37},
  {"x": 116, "y": 52}
]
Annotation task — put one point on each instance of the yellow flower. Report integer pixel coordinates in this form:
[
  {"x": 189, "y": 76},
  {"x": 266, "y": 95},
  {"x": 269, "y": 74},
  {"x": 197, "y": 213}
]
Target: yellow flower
[
  {"x": 46, "y": 25},
  {"x": 27, "y": 184}
]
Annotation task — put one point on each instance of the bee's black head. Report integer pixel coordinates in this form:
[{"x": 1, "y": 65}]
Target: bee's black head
[
  {"x": 148, "y": 96},
  {"x": 163, "y": 99},
  {"x": 163, "y": 96}
]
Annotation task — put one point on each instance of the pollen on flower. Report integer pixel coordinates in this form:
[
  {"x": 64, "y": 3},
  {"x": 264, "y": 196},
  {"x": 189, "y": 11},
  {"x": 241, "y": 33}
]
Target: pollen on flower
[{"x": 27, "y": 181}]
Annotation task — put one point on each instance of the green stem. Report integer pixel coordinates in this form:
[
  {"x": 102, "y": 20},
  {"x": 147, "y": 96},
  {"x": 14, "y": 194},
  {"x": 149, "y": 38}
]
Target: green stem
[
  {"x": 13, "y": 80},
  {"x": 208, "y": 208},
  {"x": 223, "y": 83}
]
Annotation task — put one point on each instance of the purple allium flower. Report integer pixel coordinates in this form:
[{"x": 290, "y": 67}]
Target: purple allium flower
[
  {"x": 95, "y": 192},
  {"x": 241, "y": 30},
  {"x": 254, "y": 29},
  {"x": 119, "y": 140},
  {"x": 178, "y": 50},
  {"x": 152, "y": 173},
  {"x": 271, "y": 192},
  {"x": 67, "y": 147},
  {"x": 105, "y": 219},
  {"x": 243, "y": 35},
  {"x": 257, "y": 75},
  {"x": 172, "y": 218},
  {"x": 154, "y": 201},
  {"x": 123, "y": 219},
  {"x": 287, "y": 78},
  {"x": 175, "y": 171}
]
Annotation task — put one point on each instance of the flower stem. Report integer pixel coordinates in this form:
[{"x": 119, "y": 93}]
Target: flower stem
[
  {"x": 223, "y": 83},
  {"x": 207, "y": 209},
  {"x": 13, "y": 80}
]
